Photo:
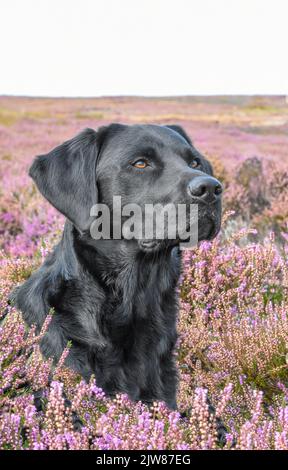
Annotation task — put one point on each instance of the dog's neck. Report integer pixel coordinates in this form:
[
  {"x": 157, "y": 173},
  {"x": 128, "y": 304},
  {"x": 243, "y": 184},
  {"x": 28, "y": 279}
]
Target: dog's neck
[{"x": 117, "y": 265}]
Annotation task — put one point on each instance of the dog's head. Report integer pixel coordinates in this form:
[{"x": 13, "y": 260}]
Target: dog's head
[{"x": 143, "y": 164}]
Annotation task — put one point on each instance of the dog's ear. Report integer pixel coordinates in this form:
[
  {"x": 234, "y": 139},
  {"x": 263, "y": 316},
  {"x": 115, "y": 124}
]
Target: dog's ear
[
  {"x": 180, "y": 131},
  {"x": 206, "y": 164},
  {"x": 67, "y": 176}
]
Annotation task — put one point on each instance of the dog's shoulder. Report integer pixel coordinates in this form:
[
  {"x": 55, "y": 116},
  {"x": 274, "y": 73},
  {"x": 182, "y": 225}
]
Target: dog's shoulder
[{"x": 31, "y": 297}]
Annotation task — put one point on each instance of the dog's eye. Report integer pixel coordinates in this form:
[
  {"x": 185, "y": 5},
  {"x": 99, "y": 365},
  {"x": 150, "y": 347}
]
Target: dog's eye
[
  {"x": 141, "y": 164},
  {"x": 194, "y": 163}
]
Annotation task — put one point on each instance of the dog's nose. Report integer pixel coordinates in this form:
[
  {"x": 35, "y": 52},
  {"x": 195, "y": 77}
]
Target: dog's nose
[{"x": 206, "y": 188}]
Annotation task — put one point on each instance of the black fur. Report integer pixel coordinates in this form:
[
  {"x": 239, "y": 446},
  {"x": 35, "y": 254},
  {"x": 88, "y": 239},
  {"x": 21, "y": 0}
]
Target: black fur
[{"x": 115, "y": 299}]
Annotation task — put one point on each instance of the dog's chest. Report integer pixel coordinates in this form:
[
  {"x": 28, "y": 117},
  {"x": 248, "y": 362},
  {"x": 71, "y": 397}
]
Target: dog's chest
[
  {"x": 139, "y": 339},
  {"x": 126, "y": 328},
  {"x": 138, "y": 312}
]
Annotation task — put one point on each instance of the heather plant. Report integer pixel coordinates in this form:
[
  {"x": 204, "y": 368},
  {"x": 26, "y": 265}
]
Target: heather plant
[
  {"x": 258, "y": 194},
  {"x": 233, "y": 324}
]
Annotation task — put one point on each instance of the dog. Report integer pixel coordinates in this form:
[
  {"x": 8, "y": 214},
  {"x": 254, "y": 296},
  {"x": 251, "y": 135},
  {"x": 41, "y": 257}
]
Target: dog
[{"x": 116, "y": 299}]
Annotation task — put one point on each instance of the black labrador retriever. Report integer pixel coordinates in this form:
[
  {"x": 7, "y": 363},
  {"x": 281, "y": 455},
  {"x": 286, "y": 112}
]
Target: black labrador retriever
[{"x": 116, "y": 300}]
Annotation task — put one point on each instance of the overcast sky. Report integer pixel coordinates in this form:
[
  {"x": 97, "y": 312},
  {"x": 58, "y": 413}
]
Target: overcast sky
[{"x": 143, "y": 47}]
